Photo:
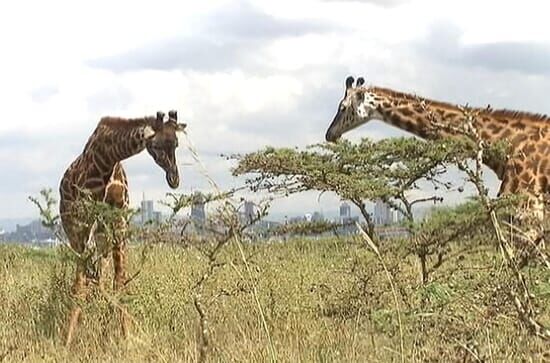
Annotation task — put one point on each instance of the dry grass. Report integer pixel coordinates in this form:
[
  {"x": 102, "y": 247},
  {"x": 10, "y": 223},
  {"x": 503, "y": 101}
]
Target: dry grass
[{"x": 323, "y": 300}]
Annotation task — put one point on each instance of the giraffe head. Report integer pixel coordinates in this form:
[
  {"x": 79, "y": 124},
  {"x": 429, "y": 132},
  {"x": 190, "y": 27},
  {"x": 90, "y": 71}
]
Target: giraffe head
[
  {"x": 163, "y": 143},
  {"x": 356, "y": 108}
]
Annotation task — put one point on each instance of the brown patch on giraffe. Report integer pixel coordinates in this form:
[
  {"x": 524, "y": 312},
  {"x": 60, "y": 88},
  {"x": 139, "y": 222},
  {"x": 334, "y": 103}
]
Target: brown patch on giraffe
[
  {"x": 518, "y": 139},
  {"x": 526, "y": 176},
  {"x": 417, "y": 107},
  {"x": 543, "y": 148},
  {"x": 388, "y": 113},
  {"x": 406, "y": 112},
  {"x": 518, "y": 168},
  {"x": 513, "y": 185},
  {"x": 531, "y": 164},
  {"x": 518, "y": 125},
  {"x": 409, "y": 125},
  {"x": 529, "y": 149},
  {"x": 543, "y": 167},
  {"x": 495, "y": 129},
  {"x": 506, "y": 134},
  {"x": 94, "y": 184},
  {"x": 101, "y": 163},
  {"x": 543, "y": 182},
  {"x": 134, "y": 144}
]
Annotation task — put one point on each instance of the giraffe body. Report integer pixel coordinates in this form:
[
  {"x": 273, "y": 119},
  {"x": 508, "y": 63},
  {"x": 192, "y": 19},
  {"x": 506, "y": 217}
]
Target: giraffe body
[
  {"x": 98, "y": 171},
  {"x": 525, "y": 170}
]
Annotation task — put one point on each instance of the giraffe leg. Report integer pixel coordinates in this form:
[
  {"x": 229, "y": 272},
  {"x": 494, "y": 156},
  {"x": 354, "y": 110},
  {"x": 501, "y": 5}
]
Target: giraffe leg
[
  {"x": 79, "y": 293},
  {"x": 530, "y": 213},
  {"x": 120, "y": 262},
  {"x": 103, "y": 265}
]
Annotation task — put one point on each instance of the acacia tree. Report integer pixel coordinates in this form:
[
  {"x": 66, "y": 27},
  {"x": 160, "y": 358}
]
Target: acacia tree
[{"x": 365, "y": 171}]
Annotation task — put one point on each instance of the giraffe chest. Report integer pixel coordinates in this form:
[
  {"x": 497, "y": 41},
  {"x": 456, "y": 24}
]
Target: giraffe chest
[{"x": 109, "y": 187}]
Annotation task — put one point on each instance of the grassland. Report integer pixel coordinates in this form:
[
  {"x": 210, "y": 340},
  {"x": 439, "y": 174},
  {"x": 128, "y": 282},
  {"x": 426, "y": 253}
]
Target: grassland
[{"x": 322, "y": 300}]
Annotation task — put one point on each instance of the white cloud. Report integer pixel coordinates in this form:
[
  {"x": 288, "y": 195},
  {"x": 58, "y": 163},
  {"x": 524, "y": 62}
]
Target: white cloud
[{"x": 280, "y": 89}]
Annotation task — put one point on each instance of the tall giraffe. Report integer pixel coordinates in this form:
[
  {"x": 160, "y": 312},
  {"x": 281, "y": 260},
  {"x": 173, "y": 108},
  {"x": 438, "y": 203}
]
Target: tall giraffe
[
  {"x": 525, "y": 170},
  {"x": 98, "y": 171}
]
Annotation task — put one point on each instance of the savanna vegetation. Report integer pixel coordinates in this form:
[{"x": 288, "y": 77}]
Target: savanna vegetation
[{"x": 465, "y": 286}]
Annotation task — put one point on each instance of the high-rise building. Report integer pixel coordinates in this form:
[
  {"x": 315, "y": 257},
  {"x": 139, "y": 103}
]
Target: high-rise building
[
  {"x": 345, "y": 211},
  {"x": 147, "y": 211},
  {"x": 249, "y": 210},
  {"x": 383, "y": 214},
  {"x": 198, "y": 212}
]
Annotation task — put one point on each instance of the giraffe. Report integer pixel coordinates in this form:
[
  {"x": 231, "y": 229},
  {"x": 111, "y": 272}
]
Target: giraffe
[
  {"x": 525, "y": 170},
  {"x": 99, "y": 172}
]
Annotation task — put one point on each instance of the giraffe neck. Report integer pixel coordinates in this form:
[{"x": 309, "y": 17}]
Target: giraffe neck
[
  {"x": 431, "y": 119},
  {"x": 116, "y": 139}
]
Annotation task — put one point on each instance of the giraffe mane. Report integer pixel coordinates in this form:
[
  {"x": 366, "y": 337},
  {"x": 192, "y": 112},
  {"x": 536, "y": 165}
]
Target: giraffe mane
[
  {"x": 498, "y": 113},
  {"x": 120, "y": 122},
  {"x": 115, "y": 123}
]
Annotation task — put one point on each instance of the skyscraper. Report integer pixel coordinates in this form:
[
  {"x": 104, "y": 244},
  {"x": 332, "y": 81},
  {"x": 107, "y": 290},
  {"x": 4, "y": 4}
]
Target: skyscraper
[
  {"x": 249, "y": 210},
  {"x": 383, "y": 214},
  {"x": 147, "y": 211},
  {"x": 345, "y": 211},
  {"x": 198, "y": 212}
]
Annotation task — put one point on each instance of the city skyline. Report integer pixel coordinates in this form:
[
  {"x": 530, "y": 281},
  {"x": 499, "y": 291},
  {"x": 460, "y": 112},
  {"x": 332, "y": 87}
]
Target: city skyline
[{"x": 155, "y": 210}]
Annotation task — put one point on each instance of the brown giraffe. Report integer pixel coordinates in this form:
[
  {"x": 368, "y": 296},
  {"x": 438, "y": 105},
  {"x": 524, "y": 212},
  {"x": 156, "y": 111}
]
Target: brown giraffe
[
  {"x": 527, "y": 168},
  {"x": 98, "y": 170}
]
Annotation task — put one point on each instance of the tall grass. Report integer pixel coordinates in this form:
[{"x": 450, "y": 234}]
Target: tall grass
[{"x": 323, "y": 301}]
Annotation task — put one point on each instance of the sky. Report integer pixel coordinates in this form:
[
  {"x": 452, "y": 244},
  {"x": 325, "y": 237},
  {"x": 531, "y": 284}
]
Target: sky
[{"x": 244, "y": 75}]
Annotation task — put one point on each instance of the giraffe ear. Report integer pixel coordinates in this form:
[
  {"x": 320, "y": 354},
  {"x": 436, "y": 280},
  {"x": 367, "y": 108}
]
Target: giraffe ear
[
  {"x": 157, "y": 125},
  {"x": 173, "y": 115},
  {"x": 360, "y": 82},
  {"x": 181, "y": 127}
]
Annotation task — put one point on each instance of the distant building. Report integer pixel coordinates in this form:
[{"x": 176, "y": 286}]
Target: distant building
[
  {"x": 383, "y": 214},
  {"x": 147, "y": 211},
  {"x": 345, "y": 211},
  {"x": 148, "y": 214},
  {"x": 198, "y": 211},
  {"x": 297, "y": 219},
  {"x": 317, "y": 217},
  {"x": 249, "y": 211},
  {"x": 33, "y": 232}
]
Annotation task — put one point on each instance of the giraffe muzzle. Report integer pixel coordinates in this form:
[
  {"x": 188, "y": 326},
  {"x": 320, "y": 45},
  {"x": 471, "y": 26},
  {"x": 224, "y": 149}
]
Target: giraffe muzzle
[
  {"x": 331, "y": 136},
  {"x": 173, "y": 179}
]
